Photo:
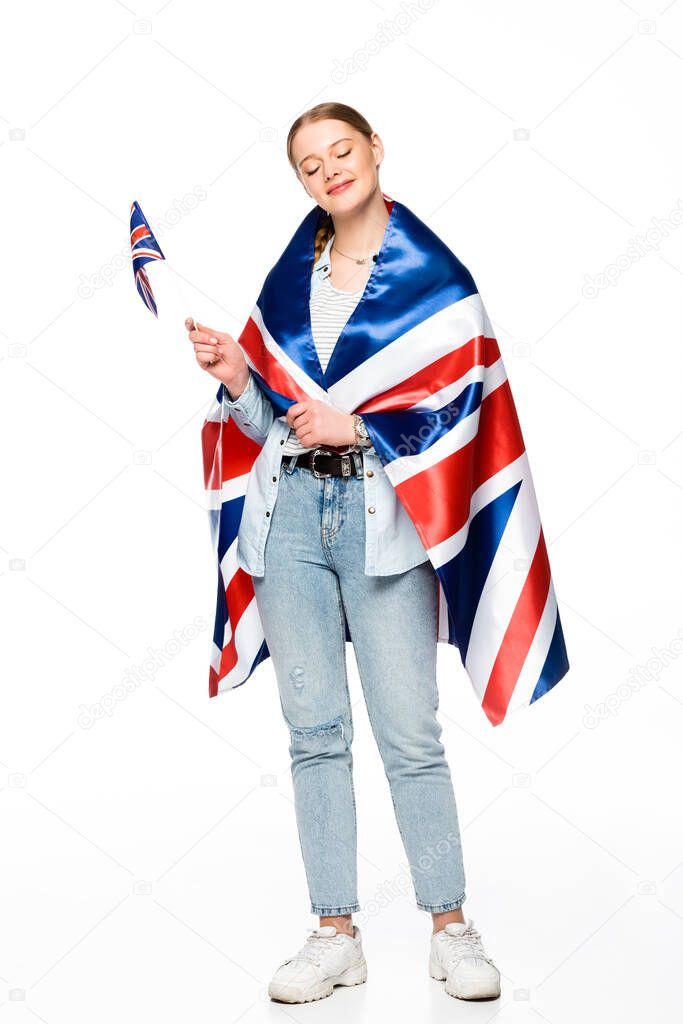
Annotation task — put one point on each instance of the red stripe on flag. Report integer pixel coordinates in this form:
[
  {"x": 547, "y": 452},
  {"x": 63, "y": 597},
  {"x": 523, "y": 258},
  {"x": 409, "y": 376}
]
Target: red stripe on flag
[
  {"x": 239, "y": 594},
  {"x": 210, "y": 437},
  {"x": 499, "y": 434},
  {"x": 498, "y": 443},
  {"x": 519, "y": 636},
  {"x": 238, "y": 451},
  {"x": 434, "y": 377},
  {"x": 267, "y": 365}
]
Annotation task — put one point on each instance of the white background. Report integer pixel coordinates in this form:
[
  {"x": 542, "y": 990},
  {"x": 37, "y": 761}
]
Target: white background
[{"x": 151, "y": 865}]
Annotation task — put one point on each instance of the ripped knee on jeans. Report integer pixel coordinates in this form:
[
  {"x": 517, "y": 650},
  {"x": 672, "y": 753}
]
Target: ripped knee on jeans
[{"x": 326, "y": 730}]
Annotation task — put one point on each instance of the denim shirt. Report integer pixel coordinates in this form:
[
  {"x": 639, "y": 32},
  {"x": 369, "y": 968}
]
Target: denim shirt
[{"x": 392, "y": 543}]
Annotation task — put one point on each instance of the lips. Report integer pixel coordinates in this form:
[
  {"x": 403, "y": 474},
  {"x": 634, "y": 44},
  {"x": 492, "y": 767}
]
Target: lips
[{"x": 338, "y": 188}]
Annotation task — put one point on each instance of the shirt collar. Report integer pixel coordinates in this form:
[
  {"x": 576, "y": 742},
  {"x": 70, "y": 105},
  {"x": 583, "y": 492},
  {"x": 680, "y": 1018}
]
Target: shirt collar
[{"x": 322, "y": 267}]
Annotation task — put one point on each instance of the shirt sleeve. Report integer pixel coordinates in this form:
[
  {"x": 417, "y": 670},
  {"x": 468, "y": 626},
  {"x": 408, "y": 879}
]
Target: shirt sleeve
[
  {"x": 247, "y": 391},
  {"x": 252, "y": 411}
]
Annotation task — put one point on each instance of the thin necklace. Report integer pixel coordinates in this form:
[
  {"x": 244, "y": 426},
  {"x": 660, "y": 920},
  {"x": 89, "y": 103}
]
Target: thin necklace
[{"x": 359, "y": 262}]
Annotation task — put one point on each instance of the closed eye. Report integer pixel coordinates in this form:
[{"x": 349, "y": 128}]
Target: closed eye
[{"x": 340, "y": 155}]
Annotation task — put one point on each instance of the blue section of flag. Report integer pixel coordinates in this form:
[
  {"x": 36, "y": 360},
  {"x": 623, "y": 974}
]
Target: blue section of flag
[{"x": 145, "y": 249}]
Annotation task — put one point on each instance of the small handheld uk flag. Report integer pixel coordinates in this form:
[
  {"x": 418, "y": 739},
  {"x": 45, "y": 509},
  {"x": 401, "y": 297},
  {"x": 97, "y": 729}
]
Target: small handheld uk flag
[{"x": 145, "y": 248}]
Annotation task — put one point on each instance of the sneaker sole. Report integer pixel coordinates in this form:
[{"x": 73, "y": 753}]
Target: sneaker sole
[
  {"x": 355, "y": 975},
  {"x": 465, "y": 989}
]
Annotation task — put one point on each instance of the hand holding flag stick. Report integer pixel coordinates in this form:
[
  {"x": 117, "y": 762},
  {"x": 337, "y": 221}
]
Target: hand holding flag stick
[{"x": 219, "y": 354}]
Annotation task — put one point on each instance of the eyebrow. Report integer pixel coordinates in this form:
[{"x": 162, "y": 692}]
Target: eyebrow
[{"x": 347, "y": 138}]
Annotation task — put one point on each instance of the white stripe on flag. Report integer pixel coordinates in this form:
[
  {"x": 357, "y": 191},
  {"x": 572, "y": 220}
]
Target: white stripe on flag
[
  {"x": 487, "y": 492},
  {"x": 535, "y": 659},
  {"x": 300, "y": 376},
  {"x": 248, "y": 639},
  {"x": 502, "y": 586},
  {"x": 437, "y": 336}
]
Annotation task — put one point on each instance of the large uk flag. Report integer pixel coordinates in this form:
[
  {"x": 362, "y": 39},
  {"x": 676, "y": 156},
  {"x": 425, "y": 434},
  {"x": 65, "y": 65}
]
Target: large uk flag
[{"x": 419, "y": 360}]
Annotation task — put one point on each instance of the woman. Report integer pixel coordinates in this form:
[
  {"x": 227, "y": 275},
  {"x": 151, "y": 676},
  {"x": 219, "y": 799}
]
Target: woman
[{"x": 341, "y": 547}]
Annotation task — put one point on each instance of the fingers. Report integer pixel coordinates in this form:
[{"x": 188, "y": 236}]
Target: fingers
[
  {"x": 298, "y": 414},
  {"x": 204, "y": 329},
  {"x": 296, "y": 409},
  {"x": 208, "y": 357},
  {"x": 206, "y": 344},
  {"x": 193, "y": 328},
  {"x": 301, "y": 425},
  {"x": 193, "y": 324},
  {"x": 208, "y": 350},
  {"x": 202, "y": 337},
  {"x": 202, "y": 333}
]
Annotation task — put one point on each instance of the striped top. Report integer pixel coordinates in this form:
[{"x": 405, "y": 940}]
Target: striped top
[{"x": 330, "y": 309}]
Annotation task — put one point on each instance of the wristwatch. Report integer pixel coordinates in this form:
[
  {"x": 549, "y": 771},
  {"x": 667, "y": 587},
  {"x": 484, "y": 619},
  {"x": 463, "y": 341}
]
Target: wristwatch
[{"x": 362, "y": 436}]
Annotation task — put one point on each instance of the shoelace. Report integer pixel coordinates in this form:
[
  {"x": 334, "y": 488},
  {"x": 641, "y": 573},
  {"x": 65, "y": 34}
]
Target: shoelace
[
  {"x": 467, "y": 943},
  {"x": 315, "y": 946}
]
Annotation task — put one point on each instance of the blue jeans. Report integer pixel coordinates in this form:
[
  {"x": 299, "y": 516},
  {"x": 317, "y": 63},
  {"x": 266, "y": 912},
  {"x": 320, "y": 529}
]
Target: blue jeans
[{"x": 315, "y": 584}]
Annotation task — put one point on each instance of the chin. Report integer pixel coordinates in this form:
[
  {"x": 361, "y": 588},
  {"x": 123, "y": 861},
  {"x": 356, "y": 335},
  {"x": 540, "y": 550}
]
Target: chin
[{"x": 347, "y": 201}]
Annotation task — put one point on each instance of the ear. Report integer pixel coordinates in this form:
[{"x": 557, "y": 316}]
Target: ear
[{"x": 378, "y": 148}]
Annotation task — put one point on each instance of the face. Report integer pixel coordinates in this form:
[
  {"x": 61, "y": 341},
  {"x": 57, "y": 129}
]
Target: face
[{"x": 331, "y": 153}]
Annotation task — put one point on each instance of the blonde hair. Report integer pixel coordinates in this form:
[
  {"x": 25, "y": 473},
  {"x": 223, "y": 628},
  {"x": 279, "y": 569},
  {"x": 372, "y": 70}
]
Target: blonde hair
[{"x": 321, "y": 112}]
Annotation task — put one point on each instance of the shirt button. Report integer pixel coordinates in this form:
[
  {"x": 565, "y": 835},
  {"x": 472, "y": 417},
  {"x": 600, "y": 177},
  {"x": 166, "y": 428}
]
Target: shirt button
[
  {"x": 282, "y": 441},
  {"x": 371, "y": 509},
  {"x": 370, "y": 473},
  {"x": 274, "y": 479},
  {"x": 267, "y": 513}
]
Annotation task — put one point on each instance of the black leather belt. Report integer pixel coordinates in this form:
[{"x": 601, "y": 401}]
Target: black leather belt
[{"x": 322, "y": 462}]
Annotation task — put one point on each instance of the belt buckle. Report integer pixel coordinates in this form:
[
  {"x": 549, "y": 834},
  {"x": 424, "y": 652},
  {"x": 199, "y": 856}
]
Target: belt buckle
[{"x": 321, "y": 451}]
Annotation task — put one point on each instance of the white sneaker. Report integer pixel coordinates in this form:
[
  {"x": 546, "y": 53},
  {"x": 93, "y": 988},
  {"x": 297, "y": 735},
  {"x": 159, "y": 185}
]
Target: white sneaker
[
  {"x": 327, "y": 958},
  {"x": 458, "y": 956}
]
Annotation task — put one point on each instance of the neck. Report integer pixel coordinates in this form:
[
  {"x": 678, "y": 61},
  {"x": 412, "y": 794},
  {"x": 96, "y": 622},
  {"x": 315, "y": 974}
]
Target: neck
[{"x": 361, "y": 231}]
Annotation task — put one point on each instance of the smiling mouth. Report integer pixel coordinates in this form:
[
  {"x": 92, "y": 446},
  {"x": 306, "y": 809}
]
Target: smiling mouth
[{"x": 336, "y": 188}]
